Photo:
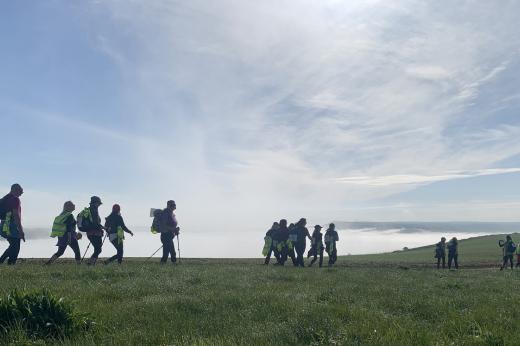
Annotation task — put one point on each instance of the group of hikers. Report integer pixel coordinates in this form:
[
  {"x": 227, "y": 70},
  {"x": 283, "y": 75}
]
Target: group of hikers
[
  {"x": 291, "y": 241},
  {"x": 88, "y": 221},
  {"x": 453, "y": 253},
  {"x": 509, "y": 249},
  {"x": 282, "y": 240}
]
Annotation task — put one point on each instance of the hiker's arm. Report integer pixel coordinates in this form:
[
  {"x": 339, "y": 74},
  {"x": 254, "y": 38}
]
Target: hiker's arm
[
  {"x": 17, "y": 221},
  {"x": 126, "y": 228}
]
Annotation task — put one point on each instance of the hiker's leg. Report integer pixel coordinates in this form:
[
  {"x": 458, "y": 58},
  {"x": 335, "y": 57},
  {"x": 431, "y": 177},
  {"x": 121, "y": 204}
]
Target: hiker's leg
[
  {"x": 166, "y": 247},
  {"x": 15, "y": 250},
  {"x": 75, "y": 247},
  {"x": 120, "y": 251}
]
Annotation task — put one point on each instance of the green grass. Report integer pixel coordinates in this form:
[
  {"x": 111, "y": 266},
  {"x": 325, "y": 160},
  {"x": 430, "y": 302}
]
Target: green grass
[
  {"x": 229, "y": 302},
  {"x": 477, "y": 252}
]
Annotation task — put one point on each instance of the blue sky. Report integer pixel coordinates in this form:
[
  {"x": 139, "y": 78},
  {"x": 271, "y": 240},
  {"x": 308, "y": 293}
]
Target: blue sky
[{"x": 246, "y": 111}]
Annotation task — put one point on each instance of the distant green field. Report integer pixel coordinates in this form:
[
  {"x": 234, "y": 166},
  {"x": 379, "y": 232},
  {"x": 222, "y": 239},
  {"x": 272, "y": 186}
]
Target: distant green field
[
  {"x": 473, "y": 253},
  {"x": 242, "y": 302}
]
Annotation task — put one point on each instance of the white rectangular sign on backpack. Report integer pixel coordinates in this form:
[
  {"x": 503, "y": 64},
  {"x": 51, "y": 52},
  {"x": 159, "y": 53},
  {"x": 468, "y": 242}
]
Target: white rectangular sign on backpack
[{"x": 152, "y": 211}]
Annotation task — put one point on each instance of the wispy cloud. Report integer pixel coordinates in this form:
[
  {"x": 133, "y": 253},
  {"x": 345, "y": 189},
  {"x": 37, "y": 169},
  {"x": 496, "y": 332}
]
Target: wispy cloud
[{"x": 423, "y": 179}]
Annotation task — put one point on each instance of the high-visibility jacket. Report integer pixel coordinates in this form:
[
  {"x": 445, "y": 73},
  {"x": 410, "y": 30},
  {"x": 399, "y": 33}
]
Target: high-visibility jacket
[
  {"x": 8, "y": 228},
  {"x": 120, "y": 234},
  {"x": 59, "y": 227},
  {"x": 267, "y": 245}
]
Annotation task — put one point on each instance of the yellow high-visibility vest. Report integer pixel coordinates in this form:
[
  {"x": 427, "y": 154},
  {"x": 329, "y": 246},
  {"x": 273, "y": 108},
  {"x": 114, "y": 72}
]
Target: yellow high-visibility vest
[
  {"x": 6, "y": 227},
  {"x": 59, "y": 227},
  {"x": 267, "y": 245},
  {"x": 120, "y": 234}
]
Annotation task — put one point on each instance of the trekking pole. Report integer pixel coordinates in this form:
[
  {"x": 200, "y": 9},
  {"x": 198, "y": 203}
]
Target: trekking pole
[
  {"x": 86, "y": 251},
  {"x": 154, "y": 253},
  {"x": 179, "y": 248}
]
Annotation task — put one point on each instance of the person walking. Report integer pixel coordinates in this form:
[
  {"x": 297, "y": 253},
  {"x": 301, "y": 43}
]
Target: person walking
[
  {"x": 64, "y": 227},
  {"x": 279, "y": 239},
  {"x": 116, "y": 228},
  {"x": 282, "y": 236},
  {"x": 270, "y": 243},
  {"x": 440, "y": 253},
  {"x": 302, "y": 233},
  {"x": 89, "y": 221},
  {"x": 290, "y": 243},
  {"x": 331, "y": 237},
  {"x": 453, "y": 253},
  {"x": 169, "y": 229},
  {"x": 316, "y": 246},
  {"x": 11, "y": 225},
  {"x": 508, "y": 248}
]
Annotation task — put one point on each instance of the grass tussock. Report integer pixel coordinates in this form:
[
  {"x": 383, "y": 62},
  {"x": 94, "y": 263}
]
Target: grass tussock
[{"x": 39, "y": 315}]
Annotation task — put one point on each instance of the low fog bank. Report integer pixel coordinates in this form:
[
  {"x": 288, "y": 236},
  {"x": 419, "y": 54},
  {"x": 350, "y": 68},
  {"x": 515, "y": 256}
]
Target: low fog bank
[{"x": 357, "y": 238}]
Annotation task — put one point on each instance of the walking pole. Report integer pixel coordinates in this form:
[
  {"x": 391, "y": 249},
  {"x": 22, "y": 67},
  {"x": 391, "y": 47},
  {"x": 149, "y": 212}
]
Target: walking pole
[
  {"x": 179, "y": 248},
  {"x": 155, "y": 252},
  {"x": 86, "y": 251}
]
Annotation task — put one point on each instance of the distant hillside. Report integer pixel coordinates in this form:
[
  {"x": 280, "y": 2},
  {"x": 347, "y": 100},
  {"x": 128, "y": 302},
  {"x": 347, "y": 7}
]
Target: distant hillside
[
  {"x": 449, "y": 227},
  {"x": 473, "y": 252}
]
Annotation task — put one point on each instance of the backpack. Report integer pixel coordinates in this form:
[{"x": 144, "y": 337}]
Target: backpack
[
  {"x": 156, "y": 223},
  {"x": 3, "y": 210},
  {"x": 511, "y": 248},
  {"x": 83, "y": 221}
]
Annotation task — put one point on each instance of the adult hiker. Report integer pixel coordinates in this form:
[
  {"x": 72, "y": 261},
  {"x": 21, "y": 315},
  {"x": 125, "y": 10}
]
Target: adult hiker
[
  {"x": 279, "y": 239},
  {"x": 453, "y": 252},
  {"x": 440, "y": 253},
  {"x": 282, "y": 237},
  {"x": 288, "y": 249},
  {"x": 64, "y": 227},
  {"x": 169, "y": 229},
  {"x": 302, "y": 233},
  {"x": 331, "y": 237},
  {"x": 508, "y": 248},
  {"x": 115, "y": 227},
  {"x": 89, "y": 221},
  {"x": 11, "y": 225},
  {"x": 270, "y": 243},
  {"x": 316, "y": 246}
]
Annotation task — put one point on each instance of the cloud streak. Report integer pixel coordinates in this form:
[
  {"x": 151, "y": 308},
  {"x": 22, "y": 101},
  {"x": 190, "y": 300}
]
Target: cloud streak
[{"x": 423, "y": 179}]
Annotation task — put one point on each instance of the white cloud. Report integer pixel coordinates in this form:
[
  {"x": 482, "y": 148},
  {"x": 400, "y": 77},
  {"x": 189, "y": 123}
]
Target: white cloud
[{"x": 423, "y": 179}]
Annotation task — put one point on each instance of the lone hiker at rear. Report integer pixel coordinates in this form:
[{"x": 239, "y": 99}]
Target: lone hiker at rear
[
  {"x": 509, "y": 248},
  {"x": 116, "y": 229},
  {"x": 331, "y": 237},
  {"x": 90, "y": 222},
  {"x": 11, "y": 226},
  {"x": 64, "y": 227},
  {"x": 168, "y": 229}
]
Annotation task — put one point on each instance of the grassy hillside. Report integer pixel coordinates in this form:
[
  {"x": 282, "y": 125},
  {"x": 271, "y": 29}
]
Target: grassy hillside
[
  {"x": 473, "y": 252},
  {"x": 221, "y": 303}
]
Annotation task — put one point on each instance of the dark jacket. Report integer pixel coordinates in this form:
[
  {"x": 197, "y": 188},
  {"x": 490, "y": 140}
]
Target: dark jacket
[
  {"x": 283, "y": 234},
  {"x": 113, "y": 222},
  {"x": 302, "y": 233},
  {"x": 95, "y": 228},
  {"x": 440, "y": 250},
  {"x": 453, "y": 248},
  {"x": 317, "y": 238}
]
